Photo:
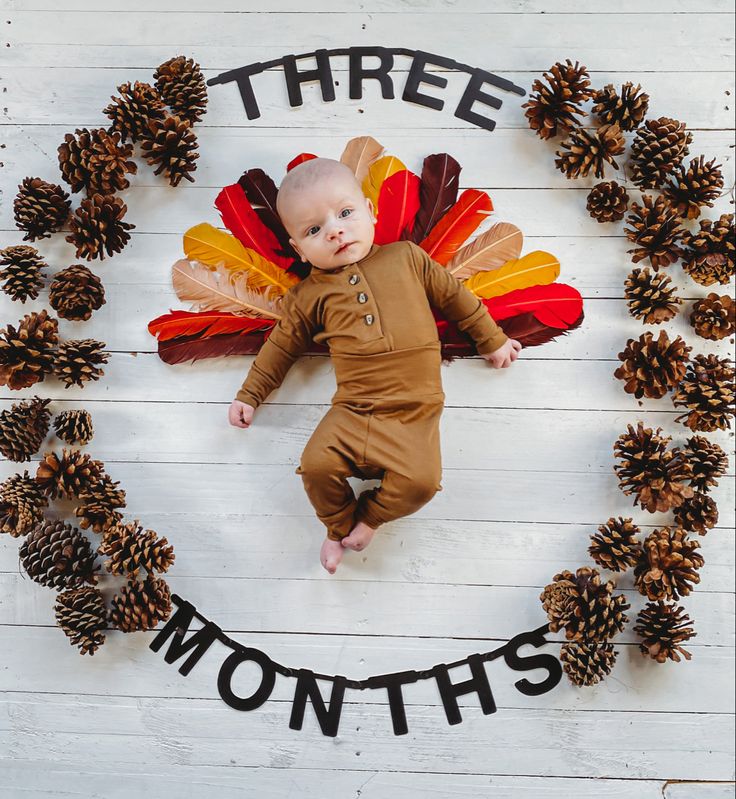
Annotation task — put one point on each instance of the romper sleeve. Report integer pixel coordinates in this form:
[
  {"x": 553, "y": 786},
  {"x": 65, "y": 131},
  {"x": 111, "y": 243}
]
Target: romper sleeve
[
  {"x": 289, "y": 338},
  {"x": 457, "y": 302}
]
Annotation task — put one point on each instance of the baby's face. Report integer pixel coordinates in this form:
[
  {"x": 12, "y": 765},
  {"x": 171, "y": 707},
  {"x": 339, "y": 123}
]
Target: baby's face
[{"x": 331, "y": 224}]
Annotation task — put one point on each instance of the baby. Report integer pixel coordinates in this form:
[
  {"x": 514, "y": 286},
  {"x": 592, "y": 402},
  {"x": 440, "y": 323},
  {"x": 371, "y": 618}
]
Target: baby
[{"x": 371, "y": 305}]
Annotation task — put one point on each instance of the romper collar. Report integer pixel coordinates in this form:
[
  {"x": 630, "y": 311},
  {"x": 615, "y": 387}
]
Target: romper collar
[{"x": 320, "y": 274}]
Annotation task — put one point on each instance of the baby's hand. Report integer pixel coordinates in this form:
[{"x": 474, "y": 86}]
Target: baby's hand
[
  {"x": 240, "y": 414},
  {"x": 505, "y": 355}
]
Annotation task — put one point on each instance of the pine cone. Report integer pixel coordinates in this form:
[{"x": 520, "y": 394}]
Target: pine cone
[
  {"x": 22, "y": 272},
  {"x": 626, "y": 110},
  {"x": 99, "y": 502},
  {"x": 697, "y": 514},
  {"x": 75, "y": 292},
  {"x": 26, "y": 354},
  {"x": 615, "y": 546},
  {"x": 696, "y": 187},
  {"x": 657, "y": 149},
  {"x": 97, "y": 227},
  {"x": 656, "y": 231},
  {"x": 708, "y": 462},
  {"x": 664, "y": 629},
  {"x": 96, "y": 160},
  {"x": 131, "y": 111},
  {"x": 668, "y": 566},
  {"x": 77, "y": 361},
  {"x": 552, "y": 109},
  {"x": 171, "y": 143},
  {"x": 57, "y": 555},
  {"x": 23, "y": 427},
  {"x": 69, "y": 476},
  {"x": 181, "y": 84},
  {"x": 586, "y": 151},
  {"x": 651, "y": 367},
  {"x": 82, "y": 615},
  {"x": 141, "y": 606},
  {"x": 709, "y": 256},
  {"x": 587, "y": 610},
  {"x": 714, "y": 316},
  {"x": 708, "y": 391},
  {"x": 131, "y": 549},
  {"x": 21, "y": 505},
  {"x": 587, "y": 663},
  {"x": 40, "y": 208},
  {"x": 74, "y": 426},
  {"x": 650, "y": 296},
  {"x": 607, "y": 201},
  {"x": 655, "y": 474}
]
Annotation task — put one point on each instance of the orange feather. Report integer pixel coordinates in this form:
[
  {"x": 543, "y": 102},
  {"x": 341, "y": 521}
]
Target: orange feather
[{"x": 452, "y": 231}]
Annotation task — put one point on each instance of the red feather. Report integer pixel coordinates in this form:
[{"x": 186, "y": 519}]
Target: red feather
[
  {"x": 556, "y": 304},
  {"x": 203, "y": 324},
  {"x": 398, "y": 202},
  {"x": 453, "y": 230},
  {"x": 243, "y": 222},
  {"x": 300, "y": 159},
  {"x": 437, "y": 193}
]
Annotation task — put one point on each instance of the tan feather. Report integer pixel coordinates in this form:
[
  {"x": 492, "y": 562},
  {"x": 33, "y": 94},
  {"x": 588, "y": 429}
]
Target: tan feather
[
  {"x": 217, "y": 290},
  {"x": 490, "y": 250},
  {"x": 360, "y": 153}
]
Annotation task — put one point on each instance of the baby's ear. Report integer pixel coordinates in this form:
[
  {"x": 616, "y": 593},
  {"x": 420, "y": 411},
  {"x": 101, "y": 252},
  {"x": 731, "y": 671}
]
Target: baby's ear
[
  {"x": 296, "y": 249},
  {"x": 371, "y": 209}
]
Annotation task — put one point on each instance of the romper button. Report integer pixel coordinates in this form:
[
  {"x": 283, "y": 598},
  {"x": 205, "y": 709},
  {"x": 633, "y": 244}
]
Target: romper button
[
  {"x": 362, "y": 297},
  {"x": 354, "y": 279},
  {"x": 369, "y": 318}
]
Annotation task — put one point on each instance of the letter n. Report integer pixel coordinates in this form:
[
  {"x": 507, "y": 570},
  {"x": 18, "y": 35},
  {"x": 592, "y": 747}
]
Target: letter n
[{"x": 306, "y": 685}]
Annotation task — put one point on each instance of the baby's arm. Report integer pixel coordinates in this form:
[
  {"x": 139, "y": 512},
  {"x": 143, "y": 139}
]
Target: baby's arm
[
  {"x": 458, "y": 303},
  {"x": 289, "y": 338}
]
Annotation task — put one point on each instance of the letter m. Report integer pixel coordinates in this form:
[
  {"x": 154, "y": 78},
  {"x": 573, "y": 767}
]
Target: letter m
[{"x": 178, "y": 626}]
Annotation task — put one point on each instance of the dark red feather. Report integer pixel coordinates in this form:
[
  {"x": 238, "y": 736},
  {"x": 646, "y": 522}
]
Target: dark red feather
[
  {"x": 261, "y": 192},
  {"x": 437, "y": 193}
]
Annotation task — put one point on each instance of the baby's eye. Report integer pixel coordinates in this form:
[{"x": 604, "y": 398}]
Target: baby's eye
[
  {"x": 312, "y": 230},
  {"x": 346, "y": 211}
]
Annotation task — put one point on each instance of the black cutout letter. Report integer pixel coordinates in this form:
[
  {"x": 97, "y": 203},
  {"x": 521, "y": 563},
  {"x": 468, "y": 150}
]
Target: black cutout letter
[
  {"x": 549, "y": 662},
  {"x": 178, "y": 625},
  {"x": 306, "y": 685},
  {"x": 358, "y": 72},
  {"x": 224, "y": 678},
  {"x": 478, "y": 683},
  {"x": 473, "y": 94},
  {"x": 322, "y": 73},
  {"x": 417, "y": 75}
]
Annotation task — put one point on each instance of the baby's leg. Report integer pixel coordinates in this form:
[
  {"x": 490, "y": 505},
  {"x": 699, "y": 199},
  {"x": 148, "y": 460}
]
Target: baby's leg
[{"x": 326, "y": 463}]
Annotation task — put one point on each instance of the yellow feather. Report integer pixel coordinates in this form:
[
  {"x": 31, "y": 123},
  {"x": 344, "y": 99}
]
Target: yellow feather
[
  {"x": 538, "y": 268},
  {"x": 382, "y": 169},
  {"x": 213, "y": 247}
]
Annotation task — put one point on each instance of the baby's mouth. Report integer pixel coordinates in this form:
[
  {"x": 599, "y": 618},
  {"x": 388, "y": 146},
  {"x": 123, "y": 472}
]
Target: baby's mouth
[{"x": 344, "y": 247}]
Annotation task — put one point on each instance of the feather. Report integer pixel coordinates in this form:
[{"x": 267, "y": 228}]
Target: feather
[
  {"x": 437, "y": 194},
  {"x": 261, "y": 193},
  {"x": 557, "y": 305},
  {"x": 194, "y": 348},
  {"x": 243, "y": 222},
  {"x": 359, "y": 154},
  {"x": 397, "y": 206},
  {"x": 300, "y": 159},
  {"x": 378, "y": 172},
  {"x": 493, "y": 248},
  {"x": 535, "y": 269},
  {"x": 203, "y": 324},
  {"x": 213, "y": 247},
  {"x": 216, "y": 290},
  {"x": 450, "y": 233}
]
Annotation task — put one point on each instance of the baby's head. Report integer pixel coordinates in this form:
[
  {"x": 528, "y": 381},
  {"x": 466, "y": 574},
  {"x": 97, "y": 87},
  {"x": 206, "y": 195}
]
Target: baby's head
[{"x": 323, "y": 208}]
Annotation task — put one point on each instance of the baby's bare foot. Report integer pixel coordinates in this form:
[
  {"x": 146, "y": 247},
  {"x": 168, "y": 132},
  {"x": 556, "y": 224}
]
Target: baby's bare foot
[
  {"x": 331, "y": 554},
  {"x": 359, "y": 538}
]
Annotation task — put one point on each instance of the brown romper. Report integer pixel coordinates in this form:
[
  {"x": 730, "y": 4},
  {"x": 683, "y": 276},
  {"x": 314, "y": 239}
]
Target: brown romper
[{"x": 375, "y": 317}]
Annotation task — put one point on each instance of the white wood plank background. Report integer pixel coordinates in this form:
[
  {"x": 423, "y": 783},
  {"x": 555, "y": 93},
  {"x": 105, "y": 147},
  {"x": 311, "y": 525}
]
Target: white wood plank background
[{"x": 527, "y": 451}]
